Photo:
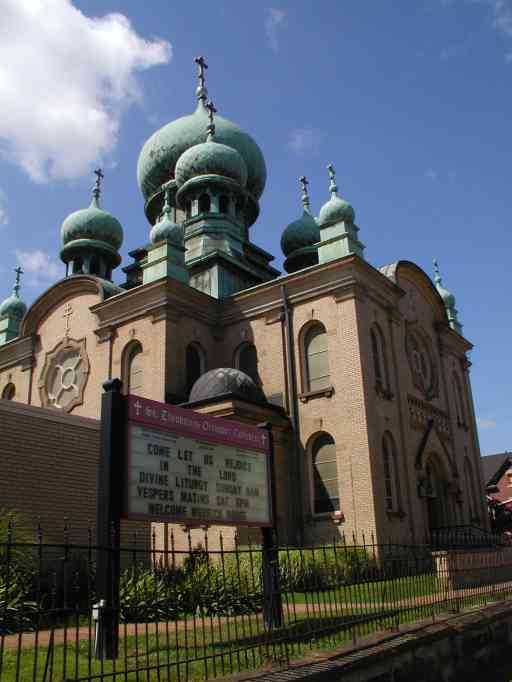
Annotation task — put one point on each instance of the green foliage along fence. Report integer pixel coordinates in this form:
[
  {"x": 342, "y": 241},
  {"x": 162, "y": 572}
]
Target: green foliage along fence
[{"x": 199, "y": 613}]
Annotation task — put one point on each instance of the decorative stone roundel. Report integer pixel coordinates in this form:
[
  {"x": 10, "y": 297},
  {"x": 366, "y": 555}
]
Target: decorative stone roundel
[
  {"x": 64, "y": 375},
  {"x": 424, "y": 371}
]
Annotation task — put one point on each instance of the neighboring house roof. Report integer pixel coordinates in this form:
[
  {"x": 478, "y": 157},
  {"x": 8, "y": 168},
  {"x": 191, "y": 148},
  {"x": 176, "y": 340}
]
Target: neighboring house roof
[{"x": 494, "y": 466}]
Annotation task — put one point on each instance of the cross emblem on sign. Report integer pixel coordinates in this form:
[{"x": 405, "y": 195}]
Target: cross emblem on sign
[
  {"x": 138, "y": 407},
  {"x": 68, "y": 311}
]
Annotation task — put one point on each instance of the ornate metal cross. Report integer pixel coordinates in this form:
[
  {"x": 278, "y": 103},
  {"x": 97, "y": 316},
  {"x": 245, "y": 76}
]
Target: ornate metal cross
[
  {"x": 333, "y": 188},
  {"x": 97, "y": 187},
  {"x": 68, "y": 311},
  {"x": 201, "y": 67},
  {"x": 211, "y": 111},
  {"x": 304, "y": 185},
  {"x": 18, "y": 272}
]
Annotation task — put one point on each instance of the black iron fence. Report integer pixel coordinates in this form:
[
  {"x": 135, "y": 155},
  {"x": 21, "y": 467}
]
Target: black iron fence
[{"x": 204, "y": 607}]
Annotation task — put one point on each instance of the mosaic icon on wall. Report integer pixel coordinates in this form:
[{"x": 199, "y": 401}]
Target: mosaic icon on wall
[
  {"x": 64, "y": 375},
  {"x": 425, "y": 376}
]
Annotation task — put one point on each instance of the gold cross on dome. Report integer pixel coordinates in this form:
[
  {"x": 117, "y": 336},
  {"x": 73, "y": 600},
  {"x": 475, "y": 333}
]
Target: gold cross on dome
[{"x": 68, "y": 311}]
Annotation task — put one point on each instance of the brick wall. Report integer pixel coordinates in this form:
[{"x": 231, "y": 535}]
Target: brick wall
[{"x": 49, "y": 470}]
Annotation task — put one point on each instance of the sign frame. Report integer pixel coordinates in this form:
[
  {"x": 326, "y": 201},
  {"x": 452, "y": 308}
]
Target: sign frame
[{"x": 178, "y": 421}]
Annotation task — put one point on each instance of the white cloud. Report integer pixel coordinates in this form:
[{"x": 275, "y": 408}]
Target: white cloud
[
  {"x": 275, "y": 19},
  {"x": 39, "y": 267},
  {"x": 304, "y": 140},
  {"x": 4, "y": 218},
  {"x": 486, "y": 423},
  {"x": 65, "y": 80},
  {"x": 503, "y": 16}
]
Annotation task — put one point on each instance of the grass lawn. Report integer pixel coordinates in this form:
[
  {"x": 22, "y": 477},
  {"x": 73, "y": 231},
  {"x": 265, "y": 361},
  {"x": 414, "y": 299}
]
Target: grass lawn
[{"x": 202, "y": 648}]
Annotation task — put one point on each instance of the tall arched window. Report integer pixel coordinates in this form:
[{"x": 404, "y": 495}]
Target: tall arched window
[
  {"x": 380, "y": 364},
  {"x": 188, "y": 209},
  {"x": 246, "y": 360},
  {"x": 316, "y": 355},
  {"x": 194, "y": 362},
  {"x": 389, "y": 465},
  {"x": 204, "y": 203},
  {"x": 9, "y": 392},
  {"x": 133, "y": 373},
  {"x": 326, "y": 496},
  {"x": 459, "y": 401}
]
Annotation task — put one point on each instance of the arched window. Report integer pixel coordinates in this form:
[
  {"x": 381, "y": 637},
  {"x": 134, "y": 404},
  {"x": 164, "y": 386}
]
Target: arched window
[
  {"x": 380, "y": 364},
  {"x": 316, "y": 357},
  {"x": 223, "y": 204},
  {"x": 246, "y": 360},
  {"x": 194, "y": 362},
  {"x": 470, "y": 489},
  {"x": 459, "y": 401},
  {"x": 204, "y": 203},
  {"x": 133, "y": 372},
  {"x": 77, "y": 265},
  {"x": 188, "y": 209},
  {"x": 326, "y": 496},
  {"x": 9, "y": 392},
  {"x": 390, "y": 472},
  {"x": 94, "y": 266}
]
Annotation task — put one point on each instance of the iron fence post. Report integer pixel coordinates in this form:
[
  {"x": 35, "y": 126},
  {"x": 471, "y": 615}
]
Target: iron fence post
[{"x": 108, "y": 514}]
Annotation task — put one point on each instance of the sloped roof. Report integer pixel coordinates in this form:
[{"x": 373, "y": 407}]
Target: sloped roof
[{"x": 492, "y": 466}]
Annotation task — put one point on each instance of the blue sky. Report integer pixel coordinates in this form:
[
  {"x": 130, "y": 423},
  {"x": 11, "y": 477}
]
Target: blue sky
[{"x": 410, "y": 100}]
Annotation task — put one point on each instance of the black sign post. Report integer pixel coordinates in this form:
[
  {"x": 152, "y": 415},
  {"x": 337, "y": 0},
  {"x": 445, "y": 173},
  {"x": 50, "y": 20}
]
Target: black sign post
[
  {"x": 108, "y": 515},
  {"x": 272, "y": 601}
]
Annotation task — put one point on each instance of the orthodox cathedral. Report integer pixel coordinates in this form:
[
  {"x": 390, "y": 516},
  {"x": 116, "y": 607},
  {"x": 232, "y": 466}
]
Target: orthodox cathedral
[{"x": 361, "y": 369}]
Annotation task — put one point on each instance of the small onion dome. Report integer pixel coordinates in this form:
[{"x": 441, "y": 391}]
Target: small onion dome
[
  {"x": 298, "y": 241},
  {"x": 447, "y": 296},
  {"x": 211, "y": 158},
  {"x": 93, "y": 224},
  {"x": 336, "y": 210},
  {"x": 226, "y": 382},
  {"x": 166, "y": 228},
  {"x": 13, "y": 306},
  {"x": 301, "y": 234}
]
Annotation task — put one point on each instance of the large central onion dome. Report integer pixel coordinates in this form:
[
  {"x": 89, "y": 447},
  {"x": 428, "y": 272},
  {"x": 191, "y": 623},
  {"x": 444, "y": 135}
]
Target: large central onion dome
[
  {"x": 159, "y": 155},
  {"x": 157, "y": 160}
]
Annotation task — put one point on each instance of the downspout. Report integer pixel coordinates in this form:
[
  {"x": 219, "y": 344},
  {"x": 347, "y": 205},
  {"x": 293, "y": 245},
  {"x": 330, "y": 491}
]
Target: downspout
[{"x": 293, "y": 410}]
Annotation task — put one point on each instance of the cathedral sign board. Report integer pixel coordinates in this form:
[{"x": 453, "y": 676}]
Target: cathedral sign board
[{"x": 194, "y": 469}]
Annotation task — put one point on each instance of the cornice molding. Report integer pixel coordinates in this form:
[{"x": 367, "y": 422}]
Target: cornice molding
[{"x": 20, "y": 351}]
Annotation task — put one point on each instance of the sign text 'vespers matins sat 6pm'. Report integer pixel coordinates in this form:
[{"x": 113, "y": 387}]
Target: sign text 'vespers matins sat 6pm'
[{"x": 195, "y": 469}]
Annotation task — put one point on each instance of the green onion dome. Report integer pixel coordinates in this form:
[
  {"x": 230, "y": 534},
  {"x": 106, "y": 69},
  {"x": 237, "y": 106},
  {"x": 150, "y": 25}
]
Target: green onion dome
[
  {"x": 160, "y": 154},
  {"x": 300, "y": 234},
  {"x": 95, "y": 225},
  {"x": 447, "y": 296},
  {"x": 166, "y": 228},
  {"x": 336, "y": 210},
  {"x": 300, "y": 238},
  {"x": 211, "y": 158},
  {"x": 13, "y": 307}
]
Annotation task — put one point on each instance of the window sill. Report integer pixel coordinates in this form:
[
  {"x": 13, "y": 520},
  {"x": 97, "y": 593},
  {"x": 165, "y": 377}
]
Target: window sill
[{"x": 321, "y": 393}]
